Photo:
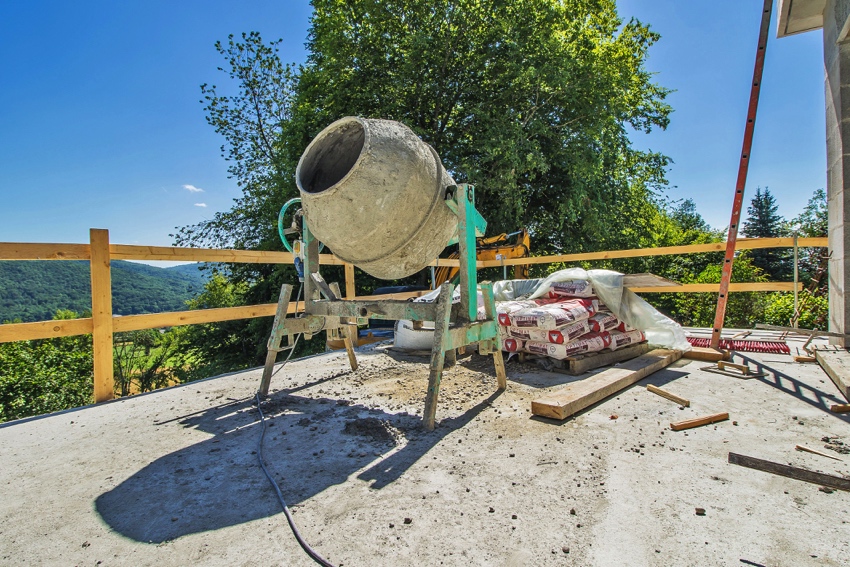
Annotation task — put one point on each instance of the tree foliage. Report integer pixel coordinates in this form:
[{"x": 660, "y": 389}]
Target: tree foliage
[
  {"x": 763, "y": 221},
  {"x": 46, "y": 375},
  {"x": 531, "y": 101}
]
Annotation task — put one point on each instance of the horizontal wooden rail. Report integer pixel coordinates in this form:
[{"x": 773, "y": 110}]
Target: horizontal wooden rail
[
  {"x": 38, "y": 251},
  {"x": 12, "y": 332},
  {"x": 715, "y": 288},
  {"x": 743, "y": 244}
]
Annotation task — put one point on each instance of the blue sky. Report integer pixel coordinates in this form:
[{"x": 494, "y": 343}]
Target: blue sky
[{"x": 101, "y": 125}]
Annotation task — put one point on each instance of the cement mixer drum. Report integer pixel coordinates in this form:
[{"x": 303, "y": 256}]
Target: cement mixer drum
[{"x": 374, "y": 193}]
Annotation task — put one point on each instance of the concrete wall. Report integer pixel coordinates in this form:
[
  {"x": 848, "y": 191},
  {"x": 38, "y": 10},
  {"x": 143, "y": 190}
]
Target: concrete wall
[{"x": 837, "y": 85}]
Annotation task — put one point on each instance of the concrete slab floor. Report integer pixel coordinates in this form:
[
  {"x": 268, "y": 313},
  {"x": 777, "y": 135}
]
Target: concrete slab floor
[{"x": 171, "y": 478}]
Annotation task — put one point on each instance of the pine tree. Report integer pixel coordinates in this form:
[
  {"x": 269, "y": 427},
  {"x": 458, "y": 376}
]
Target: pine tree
[{"x": 763, "y": 221}]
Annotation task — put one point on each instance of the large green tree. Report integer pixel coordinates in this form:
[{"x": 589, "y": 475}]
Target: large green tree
[{"x": 530, "y": 100}]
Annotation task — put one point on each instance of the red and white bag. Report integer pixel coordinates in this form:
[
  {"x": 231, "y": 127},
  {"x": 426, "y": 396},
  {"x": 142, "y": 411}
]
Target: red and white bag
[
  {"x": 552, "y": 316},
  {"x": 560, "y": 336},
  {"x": 591, "y": 342},
  {"x": 619, "y": 340},
  {"x": 573, "y": 288},
  {"x": 505, "y": 308},
  {"x": 512, "y": 345},
  {"x": 603, "y": 322}
]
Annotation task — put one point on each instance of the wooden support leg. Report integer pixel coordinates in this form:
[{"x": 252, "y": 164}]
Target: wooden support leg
[
  {"x": 349, "y": 333},
  {"x": 498, "y": 360},
  {"x": 450, "y": 358},
  {"x": 438, "y": 351},
  {"x": 275, "y": 337}
]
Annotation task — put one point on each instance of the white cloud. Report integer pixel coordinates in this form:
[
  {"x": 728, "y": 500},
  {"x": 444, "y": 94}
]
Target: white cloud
[
  {"x": 200, "y": 204},
  {"x": 193, "y": 189}
]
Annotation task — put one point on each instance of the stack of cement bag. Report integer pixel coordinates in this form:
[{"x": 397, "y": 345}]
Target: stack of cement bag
[{"x": 568, "y": 322}]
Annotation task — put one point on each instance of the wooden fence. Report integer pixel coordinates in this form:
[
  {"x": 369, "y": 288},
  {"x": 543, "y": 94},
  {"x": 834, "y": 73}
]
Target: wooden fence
[{"x": 103, "y": 323}]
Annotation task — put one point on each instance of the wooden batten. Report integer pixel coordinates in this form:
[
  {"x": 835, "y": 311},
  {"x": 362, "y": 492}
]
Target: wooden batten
[{"x": 101, "y": 307}]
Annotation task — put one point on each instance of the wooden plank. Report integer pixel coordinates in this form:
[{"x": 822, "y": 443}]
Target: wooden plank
[
  {"x": 742, "y": 244},
  {"x": 350, "y": 291},
  {"x": 46, "y": 251},
  {"x": 801, "y": 358},
  {"x": 579, "y": 395},
  {"x": 836, "y": 363},
  {"x": 669, "y": 396},
  {"x": 172, "y": 253},
  {"x": 12, "y": 332},
  {"x": 195, "y": 316},
  {"x": 791, "y": 472},
  {"x": 715, "y": 288},
  {"x": 577, "y": 366},
  {"x": 836, "y": 408},
  {"x": 813, "y": 452},
  {"x": 699, "y": 421},
  {"x": 101, "y": 309},
  {"x": 798, "y": 331},
  {"x": 438, "y": 354},
  {"x": 706, "y": 354},
  {"x": 647, "y": 280}
]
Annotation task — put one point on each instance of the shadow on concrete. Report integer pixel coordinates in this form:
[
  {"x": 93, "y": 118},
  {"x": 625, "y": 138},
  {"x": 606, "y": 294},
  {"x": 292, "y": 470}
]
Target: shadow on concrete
[
  {"x": 795, "y": 387},
  {"x": 311, "y": 445}
]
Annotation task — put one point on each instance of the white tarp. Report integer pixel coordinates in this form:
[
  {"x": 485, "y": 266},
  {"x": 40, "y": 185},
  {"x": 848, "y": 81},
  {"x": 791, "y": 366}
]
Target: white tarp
[{"x": 659, "y": 329}]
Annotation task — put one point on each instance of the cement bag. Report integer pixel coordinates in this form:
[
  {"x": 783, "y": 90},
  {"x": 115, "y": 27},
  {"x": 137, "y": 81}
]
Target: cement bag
[
  {"x": 551, "y": 317},
  {"x": 589, "y": 343},
  {"x": 603, "y": 322},
  {"x": 619, "y": 340},
  {"x": 512, "y": 345},
  {"x": 628, "y": 307},
  {"x": 573, "y": 288},
  {"x": 506, "y": 308},
  {"x": 563, "y": 335}
]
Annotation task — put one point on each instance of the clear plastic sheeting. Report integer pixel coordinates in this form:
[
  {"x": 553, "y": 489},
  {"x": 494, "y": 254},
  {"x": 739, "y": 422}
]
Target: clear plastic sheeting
[{"x": 659, "y": 329}]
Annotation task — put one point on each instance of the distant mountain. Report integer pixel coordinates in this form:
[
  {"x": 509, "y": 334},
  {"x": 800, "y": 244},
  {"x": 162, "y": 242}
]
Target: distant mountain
[{"x": 34, "y": 290}]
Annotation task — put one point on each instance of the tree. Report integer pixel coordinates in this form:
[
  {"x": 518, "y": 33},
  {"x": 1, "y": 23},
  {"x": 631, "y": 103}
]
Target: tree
[
  {"x": 813, "y": 221},
  {"x": 532, "y": 101},
  {"x": 763, "y": 221},
  {"x": 140, "y": 359},
  {"x": 46, "y": 375},
  {"x": 529, "y": 100}
]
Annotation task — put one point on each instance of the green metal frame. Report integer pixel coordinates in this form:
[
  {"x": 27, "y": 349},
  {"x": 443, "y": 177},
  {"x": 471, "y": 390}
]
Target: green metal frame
[{"x": 455, "y": 326}]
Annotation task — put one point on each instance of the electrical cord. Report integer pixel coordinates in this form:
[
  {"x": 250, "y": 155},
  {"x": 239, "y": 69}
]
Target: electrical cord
[{"x": 304, "y": 545}]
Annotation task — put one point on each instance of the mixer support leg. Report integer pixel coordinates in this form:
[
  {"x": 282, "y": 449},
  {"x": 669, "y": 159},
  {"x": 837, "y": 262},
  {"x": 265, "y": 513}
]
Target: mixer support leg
[
  {"x": 438, "y": 353},
  {"x": 498, "y": 360}
]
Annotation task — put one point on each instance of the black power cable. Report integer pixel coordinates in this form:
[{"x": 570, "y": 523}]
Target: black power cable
[{"x": 304, "y": 545}]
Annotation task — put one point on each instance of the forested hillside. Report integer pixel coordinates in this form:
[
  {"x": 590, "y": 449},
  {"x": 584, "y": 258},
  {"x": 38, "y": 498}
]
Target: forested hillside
[{"x": 33, "y": 291}]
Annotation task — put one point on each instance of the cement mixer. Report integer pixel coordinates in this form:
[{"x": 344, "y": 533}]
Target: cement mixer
[{"x": 380, "y": 198}]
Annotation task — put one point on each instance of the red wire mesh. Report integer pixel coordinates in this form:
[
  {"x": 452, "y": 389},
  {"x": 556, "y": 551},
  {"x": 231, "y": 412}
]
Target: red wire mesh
[{"x": 773, "y": 347}]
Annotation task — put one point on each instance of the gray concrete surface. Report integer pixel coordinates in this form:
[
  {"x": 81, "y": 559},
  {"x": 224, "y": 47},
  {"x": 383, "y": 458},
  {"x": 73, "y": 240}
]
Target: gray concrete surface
[{"x": 171, "y": 478}]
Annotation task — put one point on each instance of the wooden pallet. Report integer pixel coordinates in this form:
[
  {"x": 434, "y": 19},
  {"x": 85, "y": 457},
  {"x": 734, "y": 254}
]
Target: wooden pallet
[{"x": 584, "y": 363}]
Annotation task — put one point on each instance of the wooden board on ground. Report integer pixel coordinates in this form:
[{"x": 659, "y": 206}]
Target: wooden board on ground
[
  {"x": 647, "y": 280},
  {"x": 836, "y": 363},
  {"x": 699, "y": 421},
  {"x": 579, "y": 395},
  {"x": 706, "y": 354},
  {"x": 789, "y": 471}
]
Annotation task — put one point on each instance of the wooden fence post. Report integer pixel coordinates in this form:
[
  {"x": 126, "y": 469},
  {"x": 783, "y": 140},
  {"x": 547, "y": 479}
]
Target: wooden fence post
[
  {"x": 349, "y": 281},
  {"x": 101, "y": 313}
]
